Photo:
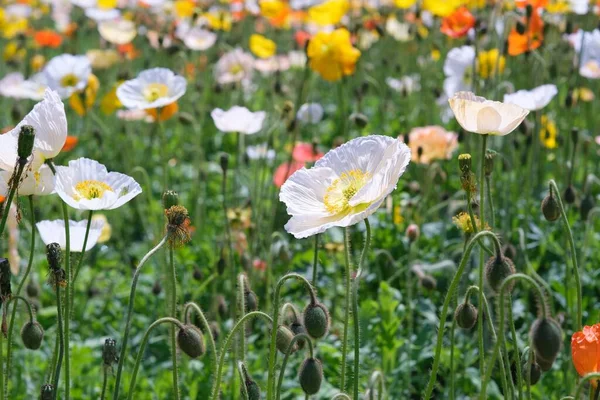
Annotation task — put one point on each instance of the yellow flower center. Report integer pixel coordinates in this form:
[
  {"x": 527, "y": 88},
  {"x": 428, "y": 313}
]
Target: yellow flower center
[
  {"x": 69, "y": 80},
  {"x": 155, "y": 91},
  {"x": 236, "y": 69},
  {"x": 341, "y": 190},
  {"x": 92, "y": 189}
]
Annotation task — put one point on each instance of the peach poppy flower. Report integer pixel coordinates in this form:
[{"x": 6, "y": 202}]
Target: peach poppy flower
[
  {"x": 431, "y": 143},
  {"x": 284, "y": 171},
  {"x": 306, "y": 152},
  {"x": 530, "y": 40},
  {"x": 70, "y": 143},
  {"x": 585, "y": 349},
  {"x": 301, "y": 37},
  {"x": 47, "y": 38},
  {"x": 458, "y": 23}
]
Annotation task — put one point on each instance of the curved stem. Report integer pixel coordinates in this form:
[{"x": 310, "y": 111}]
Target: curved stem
[
  {"x": 138, "y": 360},
  {"x": 206, "y": 326},
  {"x": 24, "y": 300},
  {"x": 588, "y": 377},
  {"x": 347, "y": 306},
  {"x": 355, "y": 285},
  {"x": 61, "y": 343},
  {"x": 136, "y": 276},
  {"x": 341, "y": 396},
  {"x": 173, "y": 312},
  {"x": 18, "y": 292},
  {"x": 292, "y": 307},
  {"x": 575, "y": 266},
  {"x": 85, "y": 240},
  {"x": 240, "y": 323},
  {"x": 481, "y": 254},
  {"x": 502, "y": 306},
  {"x": 300, "y": 336},
  {"x": 275, "y": 321},
  {"x": 377, "y": 377},
  {"x": 446, "y": 305}
]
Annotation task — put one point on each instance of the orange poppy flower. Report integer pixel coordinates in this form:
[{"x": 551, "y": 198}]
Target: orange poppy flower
[
  {"x": 165, "y": 113},
  {"x": 585, "y": 350},
  {"x": 2, "y": 198},
  {"x": 301, "y": 38},
  {"x": 533, "y": 3},
  {"x": 458, "y": 23},
  {"x": 70, "y": 143},
  {"x": 128, "y": 51},
  {"x": 47, "y": 38},
  {"x": 529, "y": 40}
]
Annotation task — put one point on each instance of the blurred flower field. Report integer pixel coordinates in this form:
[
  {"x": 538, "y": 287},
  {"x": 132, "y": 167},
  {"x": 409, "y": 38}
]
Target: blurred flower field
[{"x": 303, "y": 199}]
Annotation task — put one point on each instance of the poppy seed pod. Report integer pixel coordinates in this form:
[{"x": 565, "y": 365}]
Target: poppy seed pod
[
  {"x": 191, "y": 341},
  {"x": 170, "y": 199},
  {"x": 54, "y": 256},
  {"x": 587, "y": 203},
  {"x": 297, "y": 328},
  {"x": 32, "y": 334},
  {"x": 489, "y": 162},
  {"x": 109, "y": 352},
  {"x": 497, "y": 269},
  {"x": 25, "y": 142},
  {"x": 311, "y": 376},
  {"x": 550, "y": 208},
  {"x": 316, "y": 320},
  {"x": 252, "y": 389},
  {"x": 428, "y": 282},
  {"x": 466, "y": 315},
  {"x": 570, "y": 194},
  {"x": 360, "y": 120},
  {"x": 535, "y": 373},
  {"x": 251, "y": 301},
  {"x": 47, "y": 392},
  {"x": 546, "y": 340},
  {"x": 284, "y": 338}
]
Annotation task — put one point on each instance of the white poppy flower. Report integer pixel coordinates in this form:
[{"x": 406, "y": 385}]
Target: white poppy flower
[
  {"x": 102, "y": 14},
  {"x": 33, "y": 183},
  {"x": 479, "y": 115},
  {"x": 153, "y": 88},
  {"x": 15, "y": 86},
  {"x": 120, "y": 31},
  {"x": 398, "y": 30},
  {"x": 345, "y": 186},
  {"x": 54, "y": 232},
  {"x": 260, "y": 151},
  {"x": 198, "y": 39},
  {"x": 458, "y": 68},
  {"x": 86, "y": 185},
  {"x": 234, "y": 66},
  {"x": 310, "y": 113},
  {"x": 50, "y": 123},
  {"x": 238, "y": 119},
  {"x": 406, "y": 85},
  {"x": 534, "y": 99},
  {"x": 67, "y": 74}
]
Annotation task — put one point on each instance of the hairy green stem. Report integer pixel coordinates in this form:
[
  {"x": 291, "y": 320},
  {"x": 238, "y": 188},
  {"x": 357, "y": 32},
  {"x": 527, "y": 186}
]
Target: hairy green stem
[
  {"x": 356, "y": 322},
  {"x": 61, "y": 343},
  {"x": 173, "y": 312},
  {"x": 481, "y": 255},
  {"x": 205, "y": 325},
  {"x": 347, "y": 284},
  {"x": 315, "y": 261},
  {"x": 85, "y": 240},
  {"x": 300, "y": 336},
  {"x": 68, "y": 292}
]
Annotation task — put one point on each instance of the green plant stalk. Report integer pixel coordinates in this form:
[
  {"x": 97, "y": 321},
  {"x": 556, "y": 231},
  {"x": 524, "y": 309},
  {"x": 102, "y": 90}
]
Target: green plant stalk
[
  {"x": 452, "y": 289},
  {"x": 356, "y": 322},
  {"x": 173, "y": 312},
  {"x": 85, "y": 240},
  {"x": 513, "y": 332},
  {"x": 488, "y": 187},
  {"x": 378, "y": 378},
  {"x": 243, "y": 375},
  {"x": 11, "y": 194},
  {"x": 275, "y": 321},
  {"x": 452, "y": 329},
  {"x": 136, "y": 276},
  {"x": 242, "y": 304},
  {"x": 409, "y": 317},
  {"x": 301, "y": 336},
  {"x": 140, "y": 354},
  {"x": 315, "y": 261},
  {"x": 346, "y": 308},
  {"x": 481, "y": 255},
  {"x": 104, "y": 383},
  {"x": 68, "y": 292},
  {"x": 11, "y": 324},
  {"x": 575, "y": 266},
  {"x": 232, "y": 333},
  {"x": 502, "y": 307},
  {"x": 61, "y": 344}
]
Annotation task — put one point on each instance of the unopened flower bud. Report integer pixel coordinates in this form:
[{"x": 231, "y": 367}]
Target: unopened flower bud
[
  {"x": 224, "y": 161},
  {"x": 156, "y": 288},
  {"x": 32, "y": 335},
  {"x": 412, "y": 232},
  {"x": 197, "y": 274},
  {"x": 33, "y": 290},
  {"x": 25, "y": 142},
  {"x": 311, "y": 376},
  {"x": 570, "y": 194},
  {"x": 222, "y": 306},
  {"x": 546, "y": 340},
  {"x": 283, "y": 339},
  {"x": 550, "y": 208},
  {"x": 191, "y": 341},
  {"x": 170, "y": 199},
  {"x": 109, "y": 352},
  {"x": 5, "y": 287},
  {"x": 297, "y": 328},
  {"x": 316, "y": 320},
  {"x": 252, "y": 389},
  {"x": 489, "y": 162},
  {"x": 587, "y": 204},
  {"x": 186, "y": 119},
  {"x": 215, "y": 331},
  {"x": 428, "y": 282},
  {"x": 466, "y": 315},
  {"x": 360, "y": 120},
  {"x": 497, "y": 269},
  {"x": 251, "y": 301}
]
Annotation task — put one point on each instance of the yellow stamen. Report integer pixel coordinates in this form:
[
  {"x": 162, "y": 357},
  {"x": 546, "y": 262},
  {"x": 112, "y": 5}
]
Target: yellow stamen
[
  {"x": 155, "y": 91},
  {"x": 69, "y": 80},
  {"x": 92, "y": 189},
  {"x": 339, "y": 193}
]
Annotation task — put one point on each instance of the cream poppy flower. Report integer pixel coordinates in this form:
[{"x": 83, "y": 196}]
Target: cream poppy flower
[
  {"x": 199, "y": 39},
  {"x": 534, "y": 99},
  {"x": 485, "y": 117},
  {"x": 238, "y": 119},
  {"x": 54, "y": 232},
  {"x": 50, "y": 123},
  {"x": 34, "y": 183},
  {"x": 67, "y": 74},
  {"x": 153, "y": 88},
  {"x": 345, "y": 186},
  {"x": 234, "y": 66},
  {"x": 86, "y": 185},
  {"x": 120, "y": 31}
]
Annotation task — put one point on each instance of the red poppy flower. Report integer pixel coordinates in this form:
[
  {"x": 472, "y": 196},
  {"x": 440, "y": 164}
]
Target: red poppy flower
[
  {"x": 70, "y": 143},
  {"x": 306, "y": 153},
  {"x": 585, "y": 350},
  {"x": 458, "y": 23},
  {"x": 47, "y": 38},
  {"x": 284, "y": 171}
]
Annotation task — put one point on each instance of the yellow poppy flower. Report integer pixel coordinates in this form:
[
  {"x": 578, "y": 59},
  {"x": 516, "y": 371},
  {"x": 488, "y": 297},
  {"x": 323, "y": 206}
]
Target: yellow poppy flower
[
  {"x": 487, "y": 61},
  {"x": 331, "y": 54},
  {"x": 110, "y": 102},
  {"x": 82, "y": 102},
  {"x": 441, "y": 8},
  {"x": 184, "y": 8},
  {"x": 107, "y": 4},
  {"x": 219, "y": 20},
  {"x": 329, "y": 12},
  {"x": 548, "y": 133},
  {"x": 404, "y": 4},
  {"x": 37, "y": 62},
  {"x": 13, "y": 27},
  {"x": 13, "y": 52},
  {"x": 261, "y": 46}
]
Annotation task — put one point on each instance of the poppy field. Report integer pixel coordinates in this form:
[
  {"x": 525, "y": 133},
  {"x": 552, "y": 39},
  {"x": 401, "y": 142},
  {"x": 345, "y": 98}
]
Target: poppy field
[{"x": 299, "y": 199}]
